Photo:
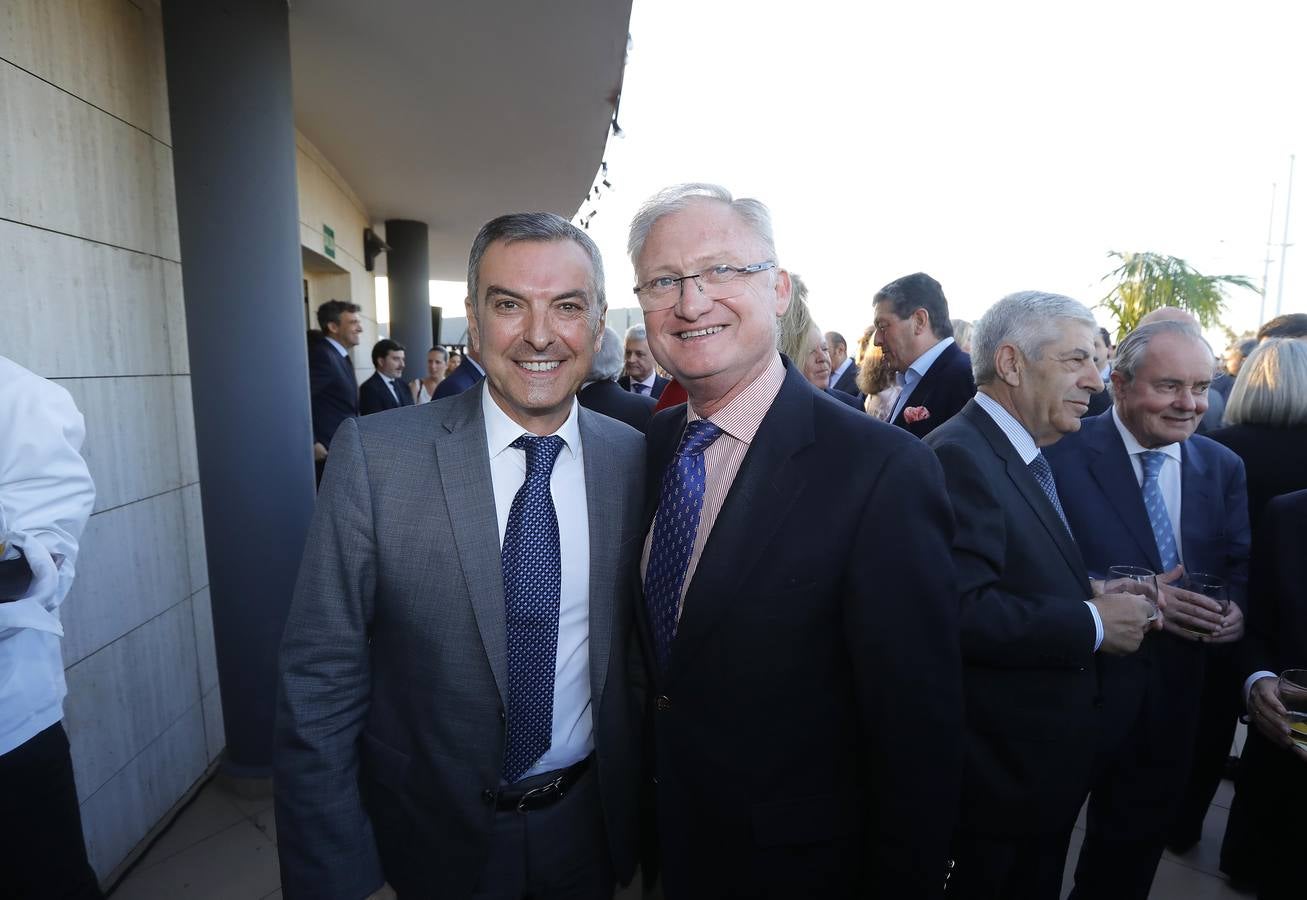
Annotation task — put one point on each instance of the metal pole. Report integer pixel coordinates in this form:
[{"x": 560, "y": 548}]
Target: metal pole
[
  {"x": 1266, "y": 269},
  {"x": 1284, "y": 245}
]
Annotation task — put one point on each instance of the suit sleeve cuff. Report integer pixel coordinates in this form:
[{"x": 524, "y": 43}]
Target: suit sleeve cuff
[
  {"x": 1098, "y": 625},
  {"x": 1248, "y": 685}
]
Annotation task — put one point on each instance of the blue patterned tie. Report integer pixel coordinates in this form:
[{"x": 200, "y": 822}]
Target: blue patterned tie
[
  {"x": 532, "y": 583},
  {"x": 679, "y": 506},
  {"x": 1043, "y": 473},
  {"x": 1158, "y": 517}
]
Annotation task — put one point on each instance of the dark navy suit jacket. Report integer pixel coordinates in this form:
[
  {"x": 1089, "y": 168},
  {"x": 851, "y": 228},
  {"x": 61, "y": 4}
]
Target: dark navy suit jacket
[
  {"x": 606, "y": 398},
  {"x": 808, "y": 727},
  {"x": 334, "y": 390},
  {"x": 945, "y": 388},
  {"x": 659, "y": 383},
  {"x": 1151, "y": 697},
  {"x": 464, "y": 377},
  {"x": 375, "y": 395},
  {"x": 848, "y": 382}
]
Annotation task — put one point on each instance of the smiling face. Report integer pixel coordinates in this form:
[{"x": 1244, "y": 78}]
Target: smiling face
[
  {"x": 816, "y": 359},
  {"x": 536, "y": 328},
  {"x": 716, "y": 340},
  {"x": 1167, "y": 397},
  {"x": 1054, "y": 390}
]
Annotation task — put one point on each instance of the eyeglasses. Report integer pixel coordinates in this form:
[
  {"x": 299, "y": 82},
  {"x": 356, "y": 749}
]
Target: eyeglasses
[{"x": 666, "y": 290}]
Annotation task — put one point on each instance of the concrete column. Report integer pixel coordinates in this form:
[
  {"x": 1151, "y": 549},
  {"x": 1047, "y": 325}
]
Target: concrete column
[
  {"x": 229, "y": 94},
  {"x": 409, "y": 275}
]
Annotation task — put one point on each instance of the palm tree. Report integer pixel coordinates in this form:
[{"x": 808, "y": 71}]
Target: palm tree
[{"x": 1148, "y": 281}]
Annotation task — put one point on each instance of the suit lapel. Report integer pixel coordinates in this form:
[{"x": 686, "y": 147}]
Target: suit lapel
[
  {"x": 759, "y": 501},
  {"x": 921, "y": 394},
  {"x": 604, "y": 515},
  {"x": 1195, "y": 501},
  {"x": 1019, "y": 474},
  {"x": 463, "y": 459},
  {"x": 1115, "y": 476}
]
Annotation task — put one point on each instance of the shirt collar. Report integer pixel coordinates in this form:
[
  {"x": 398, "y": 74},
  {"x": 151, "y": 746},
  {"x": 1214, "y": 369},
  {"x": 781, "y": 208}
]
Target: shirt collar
[
  {"x": 923, "y": 362},
  {"x": 742, "y": 417},
  {"x": 1133, "y": 447},
  {"x": 835, "y": 376},
  {"x": 501, "y": 431},
  {"x": 340, "y": 348},
  {"x": 1016, "y": 433},
  {"x": 653, "y": 376}
]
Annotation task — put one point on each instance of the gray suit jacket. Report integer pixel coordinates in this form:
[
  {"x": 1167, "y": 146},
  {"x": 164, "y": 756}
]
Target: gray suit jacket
[{"x": 393, "y": 674}]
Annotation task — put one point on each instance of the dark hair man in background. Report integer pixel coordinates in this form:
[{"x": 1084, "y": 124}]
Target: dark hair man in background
[
  {"x": 333, "y": 388},
  {"x": 386, "y": 389}
]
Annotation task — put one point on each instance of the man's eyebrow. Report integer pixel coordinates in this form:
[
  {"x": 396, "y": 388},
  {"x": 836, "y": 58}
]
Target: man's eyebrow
[{"x": 495, "y": 289}]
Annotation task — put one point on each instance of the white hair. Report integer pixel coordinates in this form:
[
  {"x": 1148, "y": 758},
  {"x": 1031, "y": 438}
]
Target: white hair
[
  {"x": 679, "y": 196},
  {"x": 1029, "y": 320}
]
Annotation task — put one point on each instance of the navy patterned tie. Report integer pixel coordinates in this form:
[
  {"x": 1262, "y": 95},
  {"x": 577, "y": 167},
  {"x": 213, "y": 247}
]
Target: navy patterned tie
[
  {"x": 1158, "y": 518},
  {"x": 1043, "y": 473},
  {"x": 532, "y": 583},
  {"x": 679, "y": 506}
]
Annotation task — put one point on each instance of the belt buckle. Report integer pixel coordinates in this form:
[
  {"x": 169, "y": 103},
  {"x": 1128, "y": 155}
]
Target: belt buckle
[{"x": 524, "y": 803}]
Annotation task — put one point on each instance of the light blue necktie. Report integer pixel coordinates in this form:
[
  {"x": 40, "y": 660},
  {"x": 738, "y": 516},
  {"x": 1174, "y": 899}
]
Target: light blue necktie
[
  {"x": 679, "y": 506},
  {"x": 1158, "y": 517},
  {"x": 532, "y": 567}
]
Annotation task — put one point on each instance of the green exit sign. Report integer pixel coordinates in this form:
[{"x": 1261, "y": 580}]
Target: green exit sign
[{"x": 328, "y": 241}]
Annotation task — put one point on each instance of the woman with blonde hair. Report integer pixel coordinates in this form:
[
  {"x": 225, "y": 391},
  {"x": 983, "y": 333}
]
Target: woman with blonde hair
[
  {"x": 799, "y": 338},
  {"x": 876, "y": 381}
]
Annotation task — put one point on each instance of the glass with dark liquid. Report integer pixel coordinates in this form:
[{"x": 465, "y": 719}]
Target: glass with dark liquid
[{"x": 1292, "y": 688}]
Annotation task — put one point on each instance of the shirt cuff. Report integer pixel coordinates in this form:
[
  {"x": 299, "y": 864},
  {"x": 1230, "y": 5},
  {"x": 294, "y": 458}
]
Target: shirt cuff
[
  {"x": 1098, "y": 625},
  {"x": 1248, "y": 685}
]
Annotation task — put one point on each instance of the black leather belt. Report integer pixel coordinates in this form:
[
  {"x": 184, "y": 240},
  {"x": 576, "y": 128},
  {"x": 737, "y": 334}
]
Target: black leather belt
[{"x": 547, "y": 794}]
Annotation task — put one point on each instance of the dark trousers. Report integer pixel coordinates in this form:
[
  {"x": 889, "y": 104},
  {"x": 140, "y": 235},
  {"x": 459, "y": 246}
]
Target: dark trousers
[
  {"x": 556, "y": 853},
  {"x": 1221, "y": 706},
  {"x": 1008, "y": 869},
  {"x": 42, "y": 853}
]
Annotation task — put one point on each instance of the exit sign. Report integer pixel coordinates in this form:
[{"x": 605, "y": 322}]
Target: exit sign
[{"x": 328, "y": 241}]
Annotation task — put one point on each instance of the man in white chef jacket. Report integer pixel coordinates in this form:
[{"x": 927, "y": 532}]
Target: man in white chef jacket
[{"x": 46, "y": 494}]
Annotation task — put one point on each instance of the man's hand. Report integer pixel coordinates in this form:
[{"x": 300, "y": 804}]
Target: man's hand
[
  {"x": 319, "y": 451},
  {"x": 1125, "y": 621},
  {"x": 1190, "y": 615},
  {"x": 1232, "y": 630},
  {"x": 1269, "y": 715}
]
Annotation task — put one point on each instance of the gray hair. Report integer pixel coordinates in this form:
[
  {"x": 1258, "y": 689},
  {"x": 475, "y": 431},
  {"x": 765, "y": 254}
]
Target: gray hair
[
  {"x": 542, "y": 227},
  {"x": 678, "y": 197},
  {"x": 1132, "y": 350},
  {"x": 1272, "y": 386},
  {"x": 1029, "y": 320},
  {"x": 607, "y": 363},
  {"x": 637, "y": 333}
]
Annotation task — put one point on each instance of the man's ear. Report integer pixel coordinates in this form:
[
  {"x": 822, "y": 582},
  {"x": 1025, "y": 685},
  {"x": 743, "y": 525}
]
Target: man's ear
[
  {"x": 1009, "y": 364},
  {"x": 473, "y": 332},
  {"x": 920, "y": 320},
  {"x": 784, "y": 291},
  {"x": 599, "y": 331},
  {"x": 1119, "y": 383}
]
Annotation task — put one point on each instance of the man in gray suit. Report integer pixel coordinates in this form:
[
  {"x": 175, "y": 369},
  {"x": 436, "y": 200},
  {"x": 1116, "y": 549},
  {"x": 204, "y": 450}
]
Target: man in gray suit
[{"x": 458, "y": 713}]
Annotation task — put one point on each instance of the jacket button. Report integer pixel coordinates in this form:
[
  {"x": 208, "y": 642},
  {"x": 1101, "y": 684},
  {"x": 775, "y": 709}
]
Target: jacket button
[
  {"x": 502, "y": 717},
  {"x": 488, "y": 796},
  {"x": 663, "y": 703}
]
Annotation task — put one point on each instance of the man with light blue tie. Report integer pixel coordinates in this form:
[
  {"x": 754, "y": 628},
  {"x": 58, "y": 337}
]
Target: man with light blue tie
[
  {"x": 459, "y": 711},
  {"x": 1141, "y": 489}
]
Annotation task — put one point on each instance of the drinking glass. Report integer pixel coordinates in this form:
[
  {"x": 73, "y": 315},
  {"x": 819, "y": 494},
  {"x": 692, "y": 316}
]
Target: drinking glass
[
  {"x": 1147, "y": 578},
  {"x": 1292, "y": 688},
  {"x": 1211, "y": 586}
]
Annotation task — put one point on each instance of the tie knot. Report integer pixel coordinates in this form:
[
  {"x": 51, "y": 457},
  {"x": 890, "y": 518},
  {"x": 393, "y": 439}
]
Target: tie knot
[
  {"x": 540, "y": 452},
  {"x": 1152, "y": 462},
  {"x": 1039, "y": 465},
  {"x": 699, "y": 435}
]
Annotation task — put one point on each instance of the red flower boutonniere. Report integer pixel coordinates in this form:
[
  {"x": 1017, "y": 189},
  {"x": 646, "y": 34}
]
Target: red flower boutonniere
[{"x": 914, "y": 414}]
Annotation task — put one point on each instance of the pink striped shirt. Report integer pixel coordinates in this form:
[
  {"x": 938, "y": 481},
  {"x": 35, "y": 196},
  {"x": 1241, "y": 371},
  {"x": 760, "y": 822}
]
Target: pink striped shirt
[{"x": 739, "y": 421}]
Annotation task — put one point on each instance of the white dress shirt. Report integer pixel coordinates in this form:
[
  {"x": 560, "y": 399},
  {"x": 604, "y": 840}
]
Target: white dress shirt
[
  {"x": 836, "y": 375},
  {"x": 1168, "y": 479},
  {"x": 648, "y": 384},
  {"x": 908, "y": 380},
  {"x": 573, "y": 727},
  {"x": 46, "y": 494},
  {"x": 394, "y": 388},
  {"x": 1027, "y": 449},
  {"x": 340, "y": 348}
]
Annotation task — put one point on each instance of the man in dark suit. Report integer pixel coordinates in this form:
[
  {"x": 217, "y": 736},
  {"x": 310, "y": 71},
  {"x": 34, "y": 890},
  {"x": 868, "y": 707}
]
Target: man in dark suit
[
  {"x": 386, "y": 389},
  {"x": 1031, "y": 624},
  {"x": 843, "y": 373},
  {"x": 640, "y": 376},
  {"x": 459, "y": 710},
  {"x": 602, "y": 394},
  {"x": 468, "y": 374},
  {"x": 808, "y": 712},
  {"x": 1141, "y": 489},
  {"x": 915, "y": 335},
  {"x": 1273, "y": 768},
  {"x": 332, "y": 386}
]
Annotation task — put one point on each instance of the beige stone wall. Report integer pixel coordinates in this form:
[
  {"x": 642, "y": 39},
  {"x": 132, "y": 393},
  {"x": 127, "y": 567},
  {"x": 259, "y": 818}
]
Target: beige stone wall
[
  {"x": 327, "y": 199},
  {"x": 91, "y": 296}
]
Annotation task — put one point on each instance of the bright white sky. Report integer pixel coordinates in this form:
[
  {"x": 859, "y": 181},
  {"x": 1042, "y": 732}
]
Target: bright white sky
[{"x": 998, "y": 146}]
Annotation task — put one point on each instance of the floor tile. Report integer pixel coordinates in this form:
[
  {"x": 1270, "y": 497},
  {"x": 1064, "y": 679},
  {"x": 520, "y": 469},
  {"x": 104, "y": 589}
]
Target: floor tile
[
  {"x": 234, "y": 864},
  {"x": 209, "y": 813}
]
